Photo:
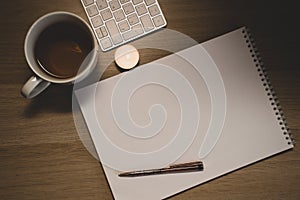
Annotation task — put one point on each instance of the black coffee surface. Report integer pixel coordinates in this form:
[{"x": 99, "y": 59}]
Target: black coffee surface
[{"x": 62, "y": 47}]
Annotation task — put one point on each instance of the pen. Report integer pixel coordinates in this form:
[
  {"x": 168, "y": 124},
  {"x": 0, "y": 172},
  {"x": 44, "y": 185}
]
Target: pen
[{"x": 177, "y": 168}]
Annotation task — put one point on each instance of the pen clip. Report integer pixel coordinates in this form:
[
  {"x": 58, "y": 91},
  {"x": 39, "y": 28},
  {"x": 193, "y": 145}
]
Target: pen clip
[{"x": 189, "y": 164}]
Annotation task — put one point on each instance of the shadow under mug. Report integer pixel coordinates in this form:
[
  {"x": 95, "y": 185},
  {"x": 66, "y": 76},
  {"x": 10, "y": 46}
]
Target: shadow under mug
[{"x": 41, "y": 80}]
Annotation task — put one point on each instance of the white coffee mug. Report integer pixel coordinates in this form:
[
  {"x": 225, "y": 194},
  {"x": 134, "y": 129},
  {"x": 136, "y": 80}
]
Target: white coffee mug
[{"x": 41, "y": 80}]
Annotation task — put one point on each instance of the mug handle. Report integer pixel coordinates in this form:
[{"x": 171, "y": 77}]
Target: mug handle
[{"x": 33, "y": 87}]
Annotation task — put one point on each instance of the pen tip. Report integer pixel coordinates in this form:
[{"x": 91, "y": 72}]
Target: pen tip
[
  {"x": 121, "y": 175},
  {"x": 126, "y": 174}
]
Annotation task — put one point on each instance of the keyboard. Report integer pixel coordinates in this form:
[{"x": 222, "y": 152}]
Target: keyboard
[{"x": 116, "y": 22}]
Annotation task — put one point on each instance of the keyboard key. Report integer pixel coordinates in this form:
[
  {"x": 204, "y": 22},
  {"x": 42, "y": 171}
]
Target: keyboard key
[
  {"x": 106, "y": 14},
  {"x": 101, "y": 32},
  {"x": 92, "y": 10},
  {"x": 101, "y": 4},
  {"x": 123, "y": 26},
  {"x": 124, "y": 1},
  {"x": 141, "y": 9},
  {"x": 133, "y": 19},
  {"x": 135, "y": 31},
  {"x": 154, "y": 10},
  {"x": 114, "y": 32},
  {"x": 106, "y": 43},
  {"x": 149, "y": 2},
  {"x": 119, "y": 15},
  {"x": 114, "y": 5},
  {"x": 104, "y": 32},
  {"x": 128, "y": 8},
  {"x": 147, "y": 23},
  {"x": 136, "y": 1},
  {"x": 158, "y": 21},
  {"x": 87, "y": 2},
  {"x": 97, "y": 21}
]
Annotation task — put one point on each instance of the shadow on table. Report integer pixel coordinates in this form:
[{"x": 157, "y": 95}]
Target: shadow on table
[{"x": 55, "y": 99}]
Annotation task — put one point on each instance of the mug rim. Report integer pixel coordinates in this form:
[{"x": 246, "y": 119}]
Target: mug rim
[{"x": 54, "y": 79}]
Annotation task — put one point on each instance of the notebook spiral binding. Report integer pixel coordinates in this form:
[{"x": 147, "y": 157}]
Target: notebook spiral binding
[{"x": 268, "y": 87}]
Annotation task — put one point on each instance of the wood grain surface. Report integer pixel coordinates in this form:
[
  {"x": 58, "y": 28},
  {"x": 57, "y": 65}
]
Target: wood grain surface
[{"x": 41, "y": 155}]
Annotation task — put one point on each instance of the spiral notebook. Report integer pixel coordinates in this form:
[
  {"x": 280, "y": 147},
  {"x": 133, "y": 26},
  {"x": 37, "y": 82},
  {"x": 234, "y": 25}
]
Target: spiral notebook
[{"x": 228, "y": 114}]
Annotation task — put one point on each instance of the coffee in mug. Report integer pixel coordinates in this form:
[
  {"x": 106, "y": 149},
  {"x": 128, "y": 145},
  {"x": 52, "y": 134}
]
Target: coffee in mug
[{"x": 61, "y": 49}]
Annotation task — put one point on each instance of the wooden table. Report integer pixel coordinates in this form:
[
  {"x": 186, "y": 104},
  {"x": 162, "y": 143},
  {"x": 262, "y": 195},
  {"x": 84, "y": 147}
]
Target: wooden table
[{"x": 41, "y": 155}]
